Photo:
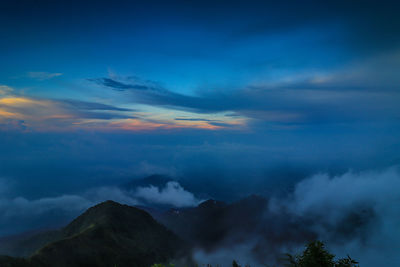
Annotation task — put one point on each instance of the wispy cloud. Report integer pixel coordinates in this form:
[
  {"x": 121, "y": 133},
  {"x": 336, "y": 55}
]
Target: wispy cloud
[
  {"x": 337, "y": 98},
  {"x": 215, "y": 123},
  {"x": 194, "y": 119},
  {"x": 27, "y": 113},
  {"x": 24, "y": 112},
  {"x": 120, "y": 86},
  {"x": 85, "y": 105},
  {"x": 42, "y": 75},
  {"x": 4, "y": 90}
]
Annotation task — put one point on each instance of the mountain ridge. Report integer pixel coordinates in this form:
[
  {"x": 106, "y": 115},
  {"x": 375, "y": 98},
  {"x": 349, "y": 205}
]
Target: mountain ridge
[{"x": 112, "y": 234}]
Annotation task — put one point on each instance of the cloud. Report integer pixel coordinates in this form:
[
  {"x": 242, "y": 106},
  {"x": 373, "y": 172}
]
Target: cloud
[
  {"x": 354, "y": 213},
  {"x": 24, "y": 112},
  {"x": 159, "y": 96},
  {"x": 18, "y": 207},
  {"x": 211, "y": 122},
  {"x": 342, "y": 194},
  {"x": 114, "y": 193},
  {"x": 12, "y": 124},
  {"x": 145, "y": 168},
  {"x": 337, "y": 98},
  {"x": 172, "y": 194},
  {"x": 5, "y": 90},
  {"x": 90, "y": 105},
  {"x": 46, "y": 114},
  {"x": 19, "y": 214},
  {"x": 49, "y": 114},
  {"x": 41, "y": 75},
  {"x": 22, "y": 207},
  {"x": 119, "y": 86},
  {"x": 194, "y": 119}
]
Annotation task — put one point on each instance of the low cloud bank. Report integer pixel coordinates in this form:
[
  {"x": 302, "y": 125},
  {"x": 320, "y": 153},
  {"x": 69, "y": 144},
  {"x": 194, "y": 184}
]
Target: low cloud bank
[
  {"x": 172, "y": 194},
  {"x": 356, "y": 214},
  {"x": 19, "y": 206},
  {"x": 18, "y": 214}
]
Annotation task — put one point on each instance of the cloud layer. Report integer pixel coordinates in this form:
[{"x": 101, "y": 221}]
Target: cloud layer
[
  {"x": 19, "y": 112},
  {"x": 355, "y": 94},
  {"x": 172, "y": 194},
  {"x": 18, "y": 214},
  {"x": 355, "y": 213}
]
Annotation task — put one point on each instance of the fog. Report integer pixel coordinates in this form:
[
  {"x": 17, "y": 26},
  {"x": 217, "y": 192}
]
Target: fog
[{"x": 356, "y": 214}]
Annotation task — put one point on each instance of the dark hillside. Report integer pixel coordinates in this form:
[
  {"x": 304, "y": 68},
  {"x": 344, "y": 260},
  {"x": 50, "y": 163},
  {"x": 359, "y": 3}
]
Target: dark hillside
[{"x": 108, "y": 234}]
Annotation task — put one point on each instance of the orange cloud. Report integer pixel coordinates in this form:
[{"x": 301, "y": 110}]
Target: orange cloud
[
  {"x": 56, "y": 115},
  {"x": 139, "y": 125},
  {"x": 7, "y": 114},
  {"x": 17, "y": 101}
]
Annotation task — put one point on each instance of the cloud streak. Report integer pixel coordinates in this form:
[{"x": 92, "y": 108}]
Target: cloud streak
[
  {"x": 355, "y": 94},
  {"x": 42, "y": 75},
  {"x": 46, "y": 114}
]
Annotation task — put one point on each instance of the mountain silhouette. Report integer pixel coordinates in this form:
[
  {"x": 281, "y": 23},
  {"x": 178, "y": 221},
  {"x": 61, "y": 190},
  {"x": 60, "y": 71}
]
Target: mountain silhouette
[
  {"x": 213, "y": 225},
  {"x": 108, "y": 234}
]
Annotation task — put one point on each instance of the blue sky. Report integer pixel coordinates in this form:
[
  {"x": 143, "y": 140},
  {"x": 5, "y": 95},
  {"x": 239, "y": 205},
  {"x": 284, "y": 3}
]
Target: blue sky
[{"x": 246, "y": 95}]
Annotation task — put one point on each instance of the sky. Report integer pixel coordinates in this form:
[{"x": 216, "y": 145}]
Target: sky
[{"x": 229, "y": 97}]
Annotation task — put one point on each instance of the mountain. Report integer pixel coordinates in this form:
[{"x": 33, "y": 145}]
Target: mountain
[
  {"x": 24, "y": 245},
  {"x": 108, "y": 234},
  {"x": 214, "y": 225},
  {"x": 111, "y": 234},
  {"x": 208, "y": 224},
  {"x": 200, "y": 226}
]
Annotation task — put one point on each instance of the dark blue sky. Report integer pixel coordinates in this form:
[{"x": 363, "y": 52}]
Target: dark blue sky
[
  {"x": 198, "y": 65},
  {"x": 233, "y": 96}
]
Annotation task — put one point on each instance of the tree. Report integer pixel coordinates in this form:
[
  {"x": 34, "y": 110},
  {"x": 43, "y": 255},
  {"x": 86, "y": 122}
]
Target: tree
[
  {"x": 347, "y": 262},
  {"x": 315, "y": 255}
]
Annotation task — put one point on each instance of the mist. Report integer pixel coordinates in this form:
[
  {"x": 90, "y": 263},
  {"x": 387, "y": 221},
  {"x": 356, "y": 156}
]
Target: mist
[{"x": 355, "y": 213}]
